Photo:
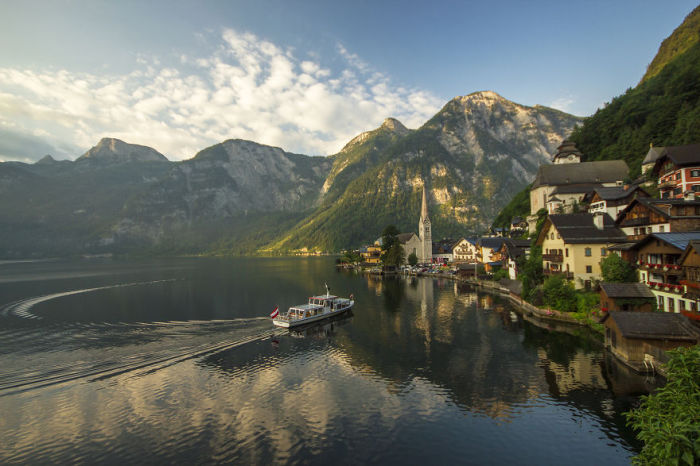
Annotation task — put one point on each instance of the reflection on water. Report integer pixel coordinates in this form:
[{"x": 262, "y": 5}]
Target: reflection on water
[{"x": 422, "y": 370}]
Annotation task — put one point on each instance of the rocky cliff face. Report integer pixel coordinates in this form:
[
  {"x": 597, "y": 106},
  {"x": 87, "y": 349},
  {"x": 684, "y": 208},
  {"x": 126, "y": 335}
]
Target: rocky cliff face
[
  {"x": 240, "y": 196},
  {"x": 114, "y": 150},
  {"x": 473, "y": 156}
]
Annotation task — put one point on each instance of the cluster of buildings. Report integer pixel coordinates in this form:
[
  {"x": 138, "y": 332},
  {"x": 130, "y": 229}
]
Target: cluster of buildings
[{"x": 591, "y": 211}]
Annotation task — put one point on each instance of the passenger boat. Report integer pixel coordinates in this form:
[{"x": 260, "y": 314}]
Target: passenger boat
[{"x": 318, "y": 308}]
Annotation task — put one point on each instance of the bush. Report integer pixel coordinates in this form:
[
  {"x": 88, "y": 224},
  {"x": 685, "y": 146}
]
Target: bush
[
  {"x": 614, "y": 268},
  {"x": 667, "y": 420},
  {"x": 412, "y": 259},
  {"x": 500, "y": 274},
  {"x": 560, "y": 294}
]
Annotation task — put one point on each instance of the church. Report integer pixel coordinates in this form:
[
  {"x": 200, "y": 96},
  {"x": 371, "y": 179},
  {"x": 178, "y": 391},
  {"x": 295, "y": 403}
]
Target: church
[{"x": 421, "y": 244}]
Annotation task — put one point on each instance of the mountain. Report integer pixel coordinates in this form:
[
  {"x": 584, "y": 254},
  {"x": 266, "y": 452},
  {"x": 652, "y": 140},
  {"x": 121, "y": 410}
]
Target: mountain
[
  {"x": 473, "y": 155},
  {"x": 113, "y": 150},
  {"x": 240, "y": 196},
  {"x": 683, "y": 38},
  {"x": 663, "y": 110}
]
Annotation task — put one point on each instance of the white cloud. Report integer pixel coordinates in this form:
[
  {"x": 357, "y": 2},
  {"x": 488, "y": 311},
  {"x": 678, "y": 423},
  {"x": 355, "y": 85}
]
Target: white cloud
[
  {"x": 246, "y": 88},
  {"x": 565, "y": 104}
]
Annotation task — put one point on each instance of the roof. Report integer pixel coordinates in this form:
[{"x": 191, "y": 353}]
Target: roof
[
  {"x": 304, "y": 307},
  {"x": 627, "y": 290},
  {"x": 659, "y": 206},
  {"x": 405, "y": 237},
  {"x": 565, "y": 149},
  {"x": 580, "y": 229},
  {"x": 654, "y": 325},
  {"x": 615, "y": 193},
  {"x": 677, "y": 240},
  {"x": 491, "y": 242},
  {"x": 681, "y": 156},
  {"x": 575, "y": 188},
  {"x": 693, "y": 245},
  {"x": 605, "y": 171},
  {"x": 653, "y": 154},
  {"x": 622, "y": 246}
]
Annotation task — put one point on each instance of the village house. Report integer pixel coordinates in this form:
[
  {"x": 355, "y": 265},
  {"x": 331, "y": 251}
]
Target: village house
[
  {"x": 443, "y": 251},
  {"x": 678, "y": 170},
  {"x": 466, "y": 250},
  {"x": 639, "y": 338},
  {"x": 644, "y": 216},
  {"x": 612, "y": 200},
  {"x": 573, "y": 245},
  {"x": 488, "y": 247},
  {"x": 690, "y": 265},
  {"x": 626, "y": 297},
  {"x": 371, "y": 254},
  {"x": 569, "y": 179},
  {"x": 510, "y": 252},
  {"x": 659, "y": 267}
]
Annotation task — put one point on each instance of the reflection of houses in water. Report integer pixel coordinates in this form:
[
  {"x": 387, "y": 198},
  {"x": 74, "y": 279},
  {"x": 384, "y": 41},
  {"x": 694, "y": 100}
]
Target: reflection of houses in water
[
  {"x": 486, "y": 301},
  {"x": 581, "y": 371},
  {"x": 375, "y": 283}
]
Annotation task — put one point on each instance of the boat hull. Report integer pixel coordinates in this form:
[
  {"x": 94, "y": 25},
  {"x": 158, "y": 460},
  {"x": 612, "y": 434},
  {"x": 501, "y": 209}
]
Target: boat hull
[{"x": 307, "y": 320}]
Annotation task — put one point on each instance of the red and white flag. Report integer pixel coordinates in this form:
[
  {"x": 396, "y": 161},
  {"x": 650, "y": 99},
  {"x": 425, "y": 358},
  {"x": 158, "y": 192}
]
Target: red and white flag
[{"x": 275, "y": 313}]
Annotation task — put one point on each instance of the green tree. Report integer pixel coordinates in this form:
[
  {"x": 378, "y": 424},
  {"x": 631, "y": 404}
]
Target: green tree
[
  {"x": 531, "y": 272},
  {"x": 412, "y": 259},
  {"x": 560, "y": 294},
  {"x": 390, "y": 236},
  {"x": 615, "y": 269},
  {"x": 668, "y": 420},
  {"x": 394, "y": 256}
]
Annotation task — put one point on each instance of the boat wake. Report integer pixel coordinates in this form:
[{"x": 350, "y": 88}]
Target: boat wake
[
  {"x": 22, "y": 307},
  {"x": 89, "y": 352}
]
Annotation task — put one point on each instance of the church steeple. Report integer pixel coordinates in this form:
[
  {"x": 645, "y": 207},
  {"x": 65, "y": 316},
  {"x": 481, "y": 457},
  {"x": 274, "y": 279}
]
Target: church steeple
[
  {"x": 424, "y": 234},
  {"x": 424, "y": 208}
]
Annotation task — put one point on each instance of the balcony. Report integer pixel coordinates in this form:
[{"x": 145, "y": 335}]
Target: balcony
[
  {"x": 667, "y": 287},
  {"x": 668, "y": 184},
  {"x": 632, "y": 222},
  {"x": 553, "y": 257},
  {"x": 660, "y": 268}
]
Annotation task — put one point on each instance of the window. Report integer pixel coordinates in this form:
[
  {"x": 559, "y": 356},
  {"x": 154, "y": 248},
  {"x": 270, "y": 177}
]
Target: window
[
  {"x": 678, "y": 175},
  {"x": 603, "y": 252},
  {"x": 636, "y": 231},
  {"x": 677, "y": 191},
  {"x": 614, "y": 339},
  {"x": 661, "y": 229},
  {"x": 558, "y": 236},
  {"x": 681, "y": 304},
  {"x": 567, "y": 252},
  {"x": 671, "y": 305},
  {"x": 661, "y": 303},
  {"x": 696, "y": 188},
  {"x": 588, "y": 252},
  {"x": 644, "y": 277},
  {"x": 589, "y": 269},
  {"x": 649, "y": 230},
  {"x": 695, "y": 173}
]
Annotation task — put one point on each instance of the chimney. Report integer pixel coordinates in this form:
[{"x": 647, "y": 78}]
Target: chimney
[{"x": 598, "y": 220}]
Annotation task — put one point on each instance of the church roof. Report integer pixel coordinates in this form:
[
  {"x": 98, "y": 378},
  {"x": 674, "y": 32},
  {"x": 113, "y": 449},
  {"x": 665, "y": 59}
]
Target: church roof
[
  {"x": 405, "y": 237},
  {"x": 604, "y": 171}
]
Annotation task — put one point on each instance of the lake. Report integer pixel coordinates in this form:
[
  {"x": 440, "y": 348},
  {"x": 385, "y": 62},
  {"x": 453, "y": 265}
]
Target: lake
[{"x": 176, "y": 361}]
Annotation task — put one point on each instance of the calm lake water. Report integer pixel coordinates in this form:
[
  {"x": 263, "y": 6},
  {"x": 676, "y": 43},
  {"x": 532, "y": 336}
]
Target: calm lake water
[{"x": 176, "y": 361}]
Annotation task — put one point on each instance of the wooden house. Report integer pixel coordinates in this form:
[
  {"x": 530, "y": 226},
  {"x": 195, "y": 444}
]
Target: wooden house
[
  {"x": 644, "y": 216},
  {"x": 635, "y": 297},
  {"x": 690, "y": 265},
  {"x": 612, "y": 200},
  {"x": 639, "y": 337},
  {"x": 659, "y": 265}
]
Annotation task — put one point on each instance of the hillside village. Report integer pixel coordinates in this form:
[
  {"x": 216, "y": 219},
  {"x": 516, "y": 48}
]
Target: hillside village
[{"x": 580, "y": 214}]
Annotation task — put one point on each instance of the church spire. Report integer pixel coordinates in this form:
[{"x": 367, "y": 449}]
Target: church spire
[{"x": 424, "y": 207}]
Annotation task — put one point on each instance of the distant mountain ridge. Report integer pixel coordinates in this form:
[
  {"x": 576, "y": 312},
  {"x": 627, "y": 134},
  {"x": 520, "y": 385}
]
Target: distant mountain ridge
[{"x": 240, "y": 196}]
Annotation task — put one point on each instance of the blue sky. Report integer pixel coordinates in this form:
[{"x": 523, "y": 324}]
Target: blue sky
[{"x": 303, "y": 75}]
